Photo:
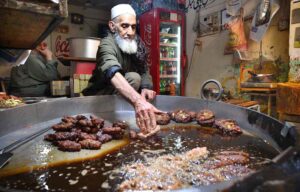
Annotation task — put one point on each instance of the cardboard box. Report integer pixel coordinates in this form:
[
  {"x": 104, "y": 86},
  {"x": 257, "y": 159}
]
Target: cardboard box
[
  {"x": 60, "y": 88},
  {"x": 80, "y": 82}
]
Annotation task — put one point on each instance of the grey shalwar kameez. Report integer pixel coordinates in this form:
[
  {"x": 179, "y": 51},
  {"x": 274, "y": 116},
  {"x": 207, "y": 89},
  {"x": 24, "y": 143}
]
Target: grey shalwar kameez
[{"x": 33, "y": 78}]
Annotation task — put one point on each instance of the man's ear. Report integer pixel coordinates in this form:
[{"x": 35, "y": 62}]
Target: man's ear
[{"x": 112, "y": 26}]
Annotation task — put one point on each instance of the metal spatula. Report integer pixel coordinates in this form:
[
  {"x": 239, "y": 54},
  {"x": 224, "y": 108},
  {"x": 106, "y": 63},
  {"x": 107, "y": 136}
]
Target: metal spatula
[{"x": 6, "y": 154}]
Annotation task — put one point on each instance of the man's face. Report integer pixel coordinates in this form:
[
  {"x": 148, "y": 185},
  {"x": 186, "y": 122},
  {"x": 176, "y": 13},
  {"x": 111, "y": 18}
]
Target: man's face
[{"x": 125, "y": 26}]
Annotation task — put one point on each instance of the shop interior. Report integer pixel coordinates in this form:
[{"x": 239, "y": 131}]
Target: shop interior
[{"x": 238, "y": 58}]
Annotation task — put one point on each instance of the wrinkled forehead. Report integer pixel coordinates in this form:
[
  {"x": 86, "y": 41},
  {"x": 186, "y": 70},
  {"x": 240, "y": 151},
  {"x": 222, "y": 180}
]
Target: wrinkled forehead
[{"x": 126, "y": 18}]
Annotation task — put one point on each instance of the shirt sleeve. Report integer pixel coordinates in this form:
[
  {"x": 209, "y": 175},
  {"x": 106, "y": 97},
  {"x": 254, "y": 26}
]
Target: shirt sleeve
[
  {"x": 107, "y": 56},
  {"x": 41, "y": 71}
]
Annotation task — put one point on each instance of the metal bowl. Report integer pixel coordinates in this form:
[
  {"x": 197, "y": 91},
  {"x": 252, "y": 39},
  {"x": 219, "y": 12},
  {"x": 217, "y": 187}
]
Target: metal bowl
[{"x": 261, "y": 78}]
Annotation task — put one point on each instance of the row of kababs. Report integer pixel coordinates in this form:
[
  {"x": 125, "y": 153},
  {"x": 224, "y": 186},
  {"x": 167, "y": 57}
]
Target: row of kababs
[
  {"x": 80, "y": 132},
  {"x": 204, "y": 118}
]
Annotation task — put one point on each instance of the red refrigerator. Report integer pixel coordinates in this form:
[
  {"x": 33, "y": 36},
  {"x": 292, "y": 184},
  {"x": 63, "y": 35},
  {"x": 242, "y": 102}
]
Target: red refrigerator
[{"x": 163, "y": 33}]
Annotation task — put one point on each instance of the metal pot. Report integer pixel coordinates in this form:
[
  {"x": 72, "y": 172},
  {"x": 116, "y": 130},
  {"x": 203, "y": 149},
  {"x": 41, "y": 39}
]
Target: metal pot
[{"x": 84, "y": 47}]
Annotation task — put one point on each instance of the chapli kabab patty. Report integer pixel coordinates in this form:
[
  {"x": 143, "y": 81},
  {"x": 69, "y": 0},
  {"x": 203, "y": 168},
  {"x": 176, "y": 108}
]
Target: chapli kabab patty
[
  {"x": 205, "y": 118},
  {"x": 162, "y": 118},
  {"x": 181, "y": 116},
  {"x": 228, "y": 126}
]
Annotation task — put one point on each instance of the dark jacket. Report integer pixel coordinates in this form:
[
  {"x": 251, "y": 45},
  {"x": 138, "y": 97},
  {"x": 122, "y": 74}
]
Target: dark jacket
[{"x": 110, "y": 55}]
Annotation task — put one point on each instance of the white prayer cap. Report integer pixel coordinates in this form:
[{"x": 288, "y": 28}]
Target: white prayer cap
[{"x": 121, "y": 9}]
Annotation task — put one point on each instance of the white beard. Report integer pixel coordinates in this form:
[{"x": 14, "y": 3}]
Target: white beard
[{"x": 126, "y": 45}]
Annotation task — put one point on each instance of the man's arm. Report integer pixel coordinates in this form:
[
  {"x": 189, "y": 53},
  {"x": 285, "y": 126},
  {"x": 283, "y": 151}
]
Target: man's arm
[
  {"x": 41, "y": 71},
  {"x": 145, "y": 117}
]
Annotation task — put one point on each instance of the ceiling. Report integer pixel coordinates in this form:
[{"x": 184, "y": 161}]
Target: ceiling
[{"x": 98, "y": 4}]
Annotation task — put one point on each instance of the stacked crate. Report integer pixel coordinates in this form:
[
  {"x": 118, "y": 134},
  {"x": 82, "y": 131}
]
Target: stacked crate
[
  {"x": 80, "y": 83},
  {"x": 81, "y": 76},
  {"x": 60, "y": 88}
]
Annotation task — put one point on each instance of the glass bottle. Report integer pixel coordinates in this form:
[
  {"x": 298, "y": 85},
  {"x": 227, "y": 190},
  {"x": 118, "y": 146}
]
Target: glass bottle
[{"x": 162, "y": 87}]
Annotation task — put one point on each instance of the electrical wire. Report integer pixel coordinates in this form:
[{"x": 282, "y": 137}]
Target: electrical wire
[{"x": 190, "y": 65}]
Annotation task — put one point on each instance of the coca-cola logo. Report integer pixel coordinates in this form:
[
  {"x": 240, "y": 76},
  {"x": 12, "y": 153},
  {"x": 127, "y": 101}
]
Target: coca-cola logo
[
  {"x": 147, "y": 41},
  {"x": 62, "y": 47}
]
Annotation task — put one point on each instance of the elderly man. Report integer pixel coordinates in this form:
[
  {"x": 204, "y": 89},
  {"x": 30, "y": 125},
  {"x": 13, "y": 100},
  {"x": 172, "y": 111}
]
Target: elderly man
[{"x": 121, "y": 68}]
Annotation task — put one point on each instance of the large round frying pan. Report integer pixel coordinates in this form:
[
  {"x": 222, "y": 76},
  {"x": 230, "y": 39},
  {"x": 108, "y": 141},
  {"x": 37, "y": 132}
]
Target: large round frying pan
[{"x": 20, "y": 122}]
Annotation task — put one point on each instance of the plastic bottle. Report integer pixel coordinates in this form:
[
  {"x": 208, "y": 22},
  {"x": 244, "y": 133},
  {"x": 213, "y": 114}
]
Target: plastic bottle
[
  {"x": 174, "y": 68},
  {"x": 164, "y": 52},
  {"x": 167, "y": 89},
  {"x": 161, "y": 68},
  {"x": 165, "y": 68},
  {"x": 169, "y": 68},
  {"x": 172, "y": 88},
  {"x": 162, "y": 88},
  {"x": 172, "y": 52}
]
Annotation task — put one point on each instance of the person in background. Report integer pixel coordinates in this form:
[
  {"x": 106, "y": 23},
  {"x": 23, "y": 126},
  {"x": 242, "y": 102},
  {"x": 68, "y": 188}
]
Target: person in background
[
  {"x": 32, "y": 79},
  {"x": 121, "y": 68}
]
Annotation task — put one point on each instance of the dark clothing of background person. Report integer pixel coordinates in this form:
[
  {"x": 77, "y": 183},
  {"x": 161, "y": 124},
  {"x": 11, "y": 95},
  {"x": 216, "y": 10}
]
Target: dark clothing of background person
[
  {"x": 33, "y": 78},
  {"x": 111, "y": 59}
]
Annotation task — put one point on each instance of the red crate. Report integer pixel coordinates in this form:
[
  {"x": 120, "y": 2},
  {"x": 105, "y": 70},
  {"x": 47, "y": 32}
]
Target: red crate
[{"x": 85, "y": 68}]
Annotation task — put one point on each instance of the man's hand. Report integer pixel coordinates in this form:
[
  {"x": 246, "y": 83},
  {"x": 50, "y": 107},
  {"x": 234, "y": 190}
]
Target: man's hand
[
  {"x": 45, "y": 53},
  {"x": 148, "y": 94},
  {"x": 145, "y": 116},
  {"x": 145, "y": 111},
  {"x": 141, "y": 135}
]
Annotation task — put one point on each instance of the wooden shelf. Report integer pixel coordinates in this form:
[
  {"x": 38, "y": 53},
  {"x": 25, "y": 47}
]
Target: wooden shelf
[
  {"x": 26, "y": 23},
  {"x": 168, "y": 35},
  {"x": 259, "y": 89},
  {"x": 67, "y": 60},
  {"x": 168, "y": 59},
  {"x": 168, "y": 76},
  {"x": 168, "y": 44}
]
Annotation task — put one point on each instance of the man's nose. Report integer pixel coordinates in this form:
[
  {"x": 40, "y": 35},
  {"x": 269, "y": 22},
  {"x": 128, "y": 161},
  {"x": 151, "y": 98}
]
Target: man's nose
[{"x": 130, "y": 31}]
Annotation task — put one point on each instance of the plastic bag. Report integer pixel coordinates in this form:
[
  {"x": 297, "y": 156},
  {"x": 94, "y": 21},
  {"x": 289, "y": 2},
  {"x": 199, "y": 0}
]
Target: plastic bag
[
  {"x": 263, "y": 13},
  {"x": 237, "y": 37},
  {"x": 261, "y": 20},
  {"x": 233, "y": 7}
]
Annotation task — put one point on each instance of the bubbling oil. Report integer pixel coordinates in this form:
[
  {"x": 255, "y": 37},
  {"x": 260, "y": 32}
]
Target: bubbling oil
[{"x": 105, "y": 174}]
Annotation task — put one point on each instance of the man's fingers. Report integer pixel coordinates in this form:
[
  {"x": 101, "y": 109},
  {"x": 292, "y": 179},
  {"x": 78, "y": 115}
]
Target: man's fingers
[
  {"x": 151, "y": 95},
  {"x": 148, "y": 94},
  {"x": 152, "y": 120},
  {"x": 157, "y": 110},
  {"x": 146, "y": 119},
  {"x": 144, "y": 136},
  {"x": 140, "y": 122},
  {"x": 145, "y": 116}
]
